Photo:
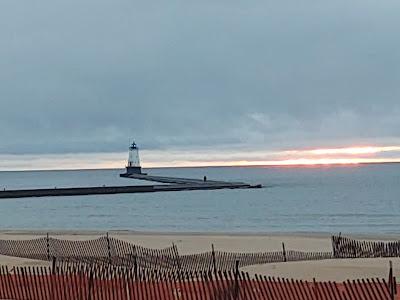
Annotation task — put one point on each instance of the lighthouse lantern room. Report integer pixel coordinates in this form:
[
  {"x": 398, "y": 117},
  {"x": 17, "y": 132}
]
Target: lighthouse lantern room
[{"x": 133, "y": 166}]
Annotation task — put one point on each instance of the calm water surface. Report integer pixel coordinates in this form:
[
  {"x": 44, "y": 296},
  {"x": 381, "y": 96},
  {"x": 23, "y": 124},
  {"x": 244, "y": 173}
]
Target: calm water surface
[{"x": 351, "y": 199}]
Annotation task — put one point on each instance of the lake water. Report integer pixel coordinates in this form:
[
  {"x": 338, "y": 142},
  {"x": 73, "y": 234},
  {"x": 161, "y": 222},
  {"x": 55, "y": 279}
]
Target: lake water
[{"x": 349, "y": 199}]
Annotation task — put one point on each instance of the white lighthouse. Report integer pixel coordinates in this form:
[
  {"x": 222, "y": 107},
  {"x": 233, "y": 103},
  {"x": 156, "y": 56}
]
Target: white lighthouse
[{"x": 133, "y": 166}]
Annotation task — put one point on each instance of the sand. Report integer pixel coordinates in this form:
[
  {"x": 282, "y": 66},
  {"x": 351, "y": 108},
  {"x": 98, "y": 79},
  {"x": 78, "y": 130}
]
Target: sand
[{"x": 338, "y": 270}]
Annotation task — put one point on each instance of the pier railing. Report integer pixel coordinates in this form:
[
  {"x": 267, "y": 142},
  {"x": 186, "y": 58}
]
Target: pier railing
[{"x": 121, "y": 283}]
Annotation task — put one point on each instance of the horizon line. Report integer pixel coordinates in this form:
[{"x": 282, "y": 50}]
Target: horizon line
[{"x": 316, "y": 165}]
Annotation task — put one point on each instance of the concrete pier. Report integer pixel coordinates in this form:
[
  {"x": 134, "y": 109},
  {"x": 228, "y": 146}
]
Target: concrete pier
[
  {"x": 104, "y": 190},
  {"x": 176, "y": 180},
  {"x": 170, "y": 184}
]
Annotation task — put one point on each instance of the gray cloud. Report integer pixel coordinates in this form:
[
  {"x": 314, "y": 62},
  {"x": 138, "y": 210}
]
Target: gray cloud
[{"x": 87, "y": 76}]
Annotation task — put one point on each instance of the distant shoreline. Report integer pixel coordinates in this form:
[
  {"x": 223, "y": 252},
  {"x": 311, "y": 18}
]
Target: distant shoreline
[{"x": 208, "y": 167}]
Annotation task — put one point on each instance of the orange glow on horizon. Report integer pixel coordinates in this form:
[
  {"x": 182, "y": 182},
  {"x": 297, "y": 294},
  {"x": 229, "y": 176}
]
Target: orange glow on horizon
[
  {"x": 354, "y": 150},
  {"x": 205, "y": 158},
  {"x": 314, "y": 157},
  {"x": 288, "y": 162}
]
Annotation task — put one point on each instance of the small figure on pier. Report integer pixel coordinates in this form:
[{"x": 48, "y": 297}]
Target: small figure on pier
[{"x": 205, "y": 178}]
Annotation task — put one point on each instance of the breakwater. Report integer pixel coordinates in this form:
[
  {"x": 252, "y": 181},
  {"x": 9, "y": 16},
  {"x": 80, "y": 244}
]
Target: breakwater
[{"x": 173, "y": 184}]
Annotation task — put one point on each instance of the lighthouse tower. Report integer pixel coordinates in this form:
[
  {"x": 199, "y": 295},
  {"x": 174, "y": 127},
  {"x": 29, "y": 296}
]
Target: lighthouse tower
[{"x": 133, "y": 166}]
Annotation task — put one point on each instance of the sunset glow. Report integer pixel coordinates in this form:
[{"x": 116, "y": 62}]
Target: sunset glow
[
  {"x": 354, "y": 150},
  {"x": 207, "y": 157},
  {"x": 320, "y": 156},
  {"x": 289, "y": 162}
]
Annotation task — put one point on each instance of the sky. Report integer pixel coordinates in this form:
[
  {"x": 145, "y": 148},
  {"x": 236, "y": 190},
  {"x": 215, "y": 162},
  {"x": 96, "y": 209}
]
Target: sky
[{"x": 198, "y": 82}]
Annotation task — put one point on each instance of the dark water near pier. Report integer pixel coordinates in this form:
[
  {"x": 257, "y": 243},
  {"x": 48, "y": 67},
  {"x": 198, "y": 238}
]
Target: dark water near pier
[{"x": 351, "y": 199}]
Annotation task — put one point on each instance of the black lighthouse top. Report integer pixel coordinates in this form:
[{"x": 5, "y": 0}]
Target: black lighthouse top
[{"x": 133, "y": 146}]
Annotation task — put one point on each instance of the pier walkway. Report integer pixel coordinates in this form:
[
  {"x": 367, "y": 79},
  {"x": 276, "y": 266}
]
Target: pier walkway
[
  {"x": 177, "y": 180},
  {"x": 173, "y": 184}
]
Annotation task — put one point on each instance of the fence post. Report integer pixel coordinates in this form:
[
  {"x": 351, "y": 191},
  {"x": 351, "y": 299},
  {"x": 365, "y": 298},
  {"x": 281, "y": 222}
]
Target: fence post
[
  {"x": 334, "y": 246},
  {"x": 391, "y": 281},
  {"x": 52, "y": 278},
  {"x": 214, "y": 259},
  {"x": 109, "y": 249},
  {"x": 135, "y": 264},
  {"x": 90, "y": 287},
  {"x": 284, "y": 252},
  {"x": 177, "y": 258},
  {"x": 338, "y": 243},
  {"x": 236, "y": 279},
  {"x": 53, "y": 265},
  {"x": 48, "y": 246}
]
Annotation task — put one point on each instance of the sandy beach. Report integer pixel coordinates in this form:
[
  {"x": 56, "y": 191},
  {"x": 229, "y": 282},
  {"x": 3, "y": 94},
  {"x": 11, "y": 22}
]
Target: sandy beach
[{"x": 339, "y": 269}]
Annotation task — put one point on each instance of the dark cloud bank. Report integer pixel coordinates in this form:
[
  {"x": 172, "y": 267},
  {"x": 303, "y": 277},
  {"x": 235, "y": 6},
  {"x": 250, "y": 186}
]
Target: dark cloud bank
[{"x": 86, "y": 76}]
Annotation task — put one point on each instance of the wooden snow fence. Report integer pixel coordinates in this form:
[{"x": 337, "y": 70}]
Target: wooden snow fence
[
  {"x": 111, "y": 251},
  {"x": 121, "y": 283},
  {"x": 344, "y": 247}
]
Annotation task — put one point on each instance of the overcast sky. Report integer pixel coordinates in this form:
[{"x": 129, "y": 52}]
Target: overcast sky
[{"x": 88, "y": 76}]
